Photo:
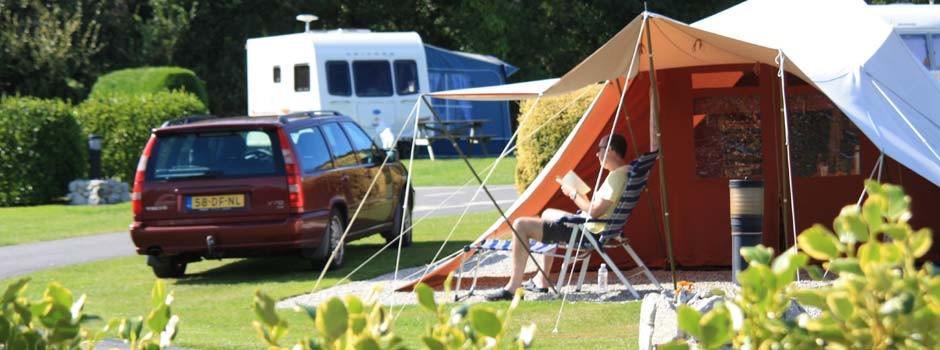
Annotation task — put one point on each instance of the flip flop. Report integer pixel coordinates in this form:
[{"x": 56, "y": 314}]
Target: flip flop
[{"x": 532, "y": 287}]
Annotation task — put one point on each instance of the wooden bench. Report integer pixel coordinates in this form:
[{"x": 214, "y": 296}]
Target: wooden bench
[{"x": 459, "y": 129}]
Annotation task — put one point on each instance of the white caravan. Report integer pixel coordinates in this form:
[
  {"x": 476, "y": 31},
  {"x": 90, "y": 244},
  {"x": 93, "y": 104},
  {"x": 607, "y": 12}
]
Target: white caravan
[
  {"x": 919, "y": 26},
  {"x": 373, "y": 77}
]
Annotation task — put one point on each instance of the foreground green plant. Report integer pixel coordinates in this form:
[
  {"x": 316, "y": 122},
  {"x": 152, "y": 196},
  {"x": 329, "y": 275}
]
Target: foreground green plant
[
  {"x": 351, "y": 323},
  {"x": 161, "y": 324},
  {"x": 55, "y": 321},
  {"x": 880, "y": 300}
]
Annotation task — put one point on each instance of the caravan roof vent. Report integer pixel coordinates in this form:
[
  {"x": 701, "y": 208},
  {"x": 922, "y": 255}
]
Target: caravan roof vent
[{"x": 306, "y": 18}]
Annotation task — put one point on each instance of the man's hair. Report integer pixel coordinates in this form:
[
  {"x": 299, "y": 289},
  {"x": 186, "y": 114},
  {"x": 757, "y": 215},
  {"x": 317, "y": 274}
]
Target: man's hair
[{"x": 618, "y": 144}]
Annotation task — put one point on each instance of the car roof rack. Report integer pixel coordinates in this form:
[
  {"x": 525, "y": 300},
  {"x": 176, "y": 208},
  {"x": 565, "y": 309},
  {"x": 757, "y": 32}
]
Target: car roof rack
[
  {"x": 192, "y": 118},
  {"x": 308, "y": 114}
]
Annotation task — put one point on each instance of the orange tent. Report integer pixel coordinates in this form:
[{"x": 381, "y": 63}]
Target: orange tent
[{"x": 721, "y": 115}]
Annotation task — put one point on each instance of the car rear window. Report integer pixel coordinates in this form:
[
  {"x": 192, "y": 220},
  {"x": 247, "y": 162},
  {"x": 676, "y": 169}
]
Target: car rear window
[{"x": 215, "y": 154}]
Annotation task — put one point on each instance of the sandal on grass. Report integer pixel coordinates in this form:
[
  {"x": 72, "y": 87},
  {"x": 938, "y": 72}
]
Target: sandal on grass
[{"x": 532, "y": 287}]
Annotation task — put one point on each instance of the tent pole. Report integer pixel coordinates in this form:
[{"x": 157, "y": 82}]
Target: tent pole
[
  {"x": 636, "y": 154},
  {"x": 783, "y": 195},
  {"x": 654, "y": 109},
  {"x": 781, "y": 58},
  {"x": 502, "y": 214}
]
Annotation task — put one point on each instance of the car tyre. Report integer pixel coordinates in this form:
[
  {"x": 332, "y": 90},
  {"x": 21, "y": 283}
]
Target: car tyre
[
  {"x": 402, "y": 215},
  {"x": 331, "y": 238},
  {"x": 167, "y": 267}
]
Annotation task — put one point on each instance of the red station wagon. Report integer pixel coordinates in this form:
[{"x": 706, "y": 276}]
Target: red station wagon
[{"x": 211, "y": 187}]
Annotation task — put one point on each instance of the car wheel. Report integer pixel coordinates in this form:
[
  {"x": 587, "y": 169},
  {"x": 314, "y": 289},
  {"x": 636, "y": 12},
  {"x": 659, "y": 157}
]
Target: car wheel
[
  {"x": 402, "y": 216},
  {"x": 167, "y": 267},
  {"x": 331, "y": 239}
]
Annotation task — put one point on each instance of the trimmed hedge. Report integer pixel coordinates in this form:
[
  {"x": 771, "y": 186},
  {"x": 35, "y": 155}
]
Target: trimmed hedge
[
  {"x": 125, "y": 122},
  {"x": 536, "y": 150},
  {"x": 41, "y": 150},
  {"x": 149, "y": 80}
]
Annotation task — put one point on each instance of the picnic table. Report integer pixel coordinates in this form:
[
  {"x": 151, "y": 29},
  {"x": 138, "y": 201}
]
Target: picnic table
[{"x": 461, "y": 129}]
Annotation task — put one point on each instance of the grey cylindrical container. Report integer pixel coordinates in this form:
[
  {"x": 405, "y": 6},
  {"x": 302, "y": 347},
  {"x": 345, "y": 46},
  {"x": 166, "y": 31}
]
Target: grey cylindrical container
[{"x": 747, "y": 218}]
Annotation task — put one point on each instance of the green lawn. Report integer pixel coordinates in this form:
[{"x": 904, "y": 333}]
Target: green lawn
[
  {"x": 213, "y": 300},
  {"x": 454, "y": 172},
  {"x": 49, "y": 222}
]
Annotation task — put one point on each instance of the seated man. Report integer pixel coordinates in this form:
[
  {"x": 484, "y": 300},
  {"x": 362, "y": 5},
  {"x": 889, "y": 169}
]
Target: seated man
[{"x": 546, "y": 228}]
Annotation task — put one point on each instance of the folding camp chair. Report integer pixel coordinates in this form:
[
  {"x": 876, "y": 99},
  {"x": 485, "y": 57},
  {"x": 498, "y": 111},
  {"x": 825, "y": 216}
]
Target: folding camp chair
[{"x": 610, "y": 237}]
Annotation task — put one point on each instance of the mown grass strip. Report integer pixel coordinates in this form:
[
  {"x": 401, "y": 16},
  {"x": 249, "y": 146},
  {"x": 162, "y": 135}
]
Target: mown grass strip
[
  {"x": 213, "y": 300},
  {"x": 454, "y": 172},
  {"x": 20, "y": 225}
]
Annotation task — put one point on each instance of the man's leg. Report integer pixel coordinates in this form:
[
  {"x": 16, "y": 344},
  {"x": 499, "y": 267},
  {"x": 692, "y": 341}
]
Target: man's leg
[
  {"x": 550, "y": 214},
  {"x": 528, "y": 228}
]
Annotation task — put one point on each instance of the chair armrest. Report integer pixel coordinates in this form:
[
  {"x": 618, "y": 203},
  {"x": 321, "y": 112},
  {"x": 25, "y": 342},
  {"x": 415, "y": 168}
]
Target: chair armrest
[{"x": 574, "y": 219}]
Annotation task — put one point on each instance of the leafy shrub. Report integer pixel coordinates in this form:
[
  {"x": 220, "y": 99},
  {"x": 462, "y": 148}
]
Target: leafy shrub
[
  {"x": 55, "y": 321},
  {"x": 545, "y": 129},
  {"x": 125, "y": 122},
  {"x": 351, "y": 323},
  {"x": 880, "y": 299},
  {"x": 148, "y": 80},
  {"x": 41, "y": 150}
]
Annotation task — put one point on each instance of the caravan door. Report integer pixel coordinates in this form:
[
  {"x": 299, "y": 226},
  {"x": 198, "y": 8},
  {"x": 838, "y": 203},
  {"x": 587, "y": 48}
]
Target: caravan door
[{"x": 375, "y": 105}]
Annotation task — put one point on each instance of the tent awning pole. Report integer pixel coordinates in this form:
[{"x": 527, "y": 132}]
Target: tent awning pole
[
  {"x": 654, "y": 110},
  {"x": 781, "y": 58}
]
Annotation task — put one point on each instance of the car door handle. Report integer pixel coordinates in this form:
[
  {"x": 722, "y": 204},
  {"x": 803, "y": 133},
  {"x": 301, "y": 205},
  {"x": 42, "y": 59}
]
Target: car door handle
[{"x": 344, "y": 178}]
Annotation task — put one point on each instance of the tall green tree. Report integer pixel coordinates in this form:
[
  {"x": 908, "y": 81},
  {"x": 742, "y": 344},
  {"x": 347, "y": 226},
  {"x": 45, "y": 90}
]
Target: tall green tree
[{"x": 46, "y": 48}]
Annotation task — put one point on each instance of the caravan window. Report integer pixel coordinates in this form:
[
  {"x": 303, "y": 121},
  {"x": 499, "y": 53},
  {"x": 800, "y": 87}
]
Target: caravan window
[
  {"x": 337, "y": 78},
  {"x": 302, "y": 77},
  {"x": 373, "y": 78},
  {"x": 406, "y": 77},
  {"x": 277, "y": 74},
  {"x": 917, "y": 43}
]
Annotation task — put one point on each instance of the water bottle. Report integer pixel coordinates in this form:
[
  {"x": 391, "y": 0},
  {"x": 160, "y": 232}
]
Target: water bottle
[{"x": 602, "y": 277}]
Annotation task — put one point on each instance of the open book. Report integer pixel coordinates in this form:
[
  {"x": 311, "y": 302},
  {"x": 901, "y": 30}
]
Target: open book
[{"x": 571, "y": 179}]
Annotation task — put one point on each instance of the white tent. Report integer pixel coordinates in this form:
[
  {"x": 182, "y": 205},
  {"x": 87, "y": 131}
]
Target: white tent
[{"x": 838, "y": 46}]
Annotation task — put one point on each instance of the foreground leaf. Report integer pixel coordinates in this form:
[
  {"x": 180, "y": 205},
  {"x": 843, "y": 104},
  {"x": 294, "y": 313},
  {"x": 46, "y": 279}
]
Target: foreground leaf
[{"x": 819, "y": 243}]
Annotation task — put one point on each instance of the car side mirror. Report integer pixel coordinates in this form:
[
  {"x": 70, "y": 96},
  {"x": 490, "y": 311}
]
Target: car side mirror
[{"x": 392, "y": 155}]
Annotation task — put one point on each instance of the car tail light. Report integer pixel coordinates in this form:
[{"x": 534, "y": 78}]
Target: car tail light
[
  {"x": 294, "y": 181},
  {"x": 137, "y": 195}
]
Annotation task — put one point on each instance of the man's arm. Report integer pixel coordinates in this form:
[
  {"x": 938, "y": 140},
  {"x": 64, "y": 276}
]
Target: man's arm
[{"x": 583, "y": 203}]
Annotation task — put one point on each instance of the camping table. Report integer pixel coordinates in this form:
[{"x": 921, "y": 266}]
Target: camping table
[{"x": 462, "y": 129}]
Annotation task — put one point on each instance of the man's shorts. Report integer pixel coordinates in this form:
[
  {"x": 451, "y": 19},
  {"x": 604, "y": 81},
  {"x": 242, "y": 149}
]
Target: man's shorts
[{"x": 554, "y": 232}]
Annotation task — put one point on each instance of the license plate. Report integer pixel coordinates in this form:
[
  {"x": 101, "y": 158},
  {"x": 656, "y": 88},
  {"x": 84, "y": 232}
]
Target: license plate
[{"x": 225, "y": 201}]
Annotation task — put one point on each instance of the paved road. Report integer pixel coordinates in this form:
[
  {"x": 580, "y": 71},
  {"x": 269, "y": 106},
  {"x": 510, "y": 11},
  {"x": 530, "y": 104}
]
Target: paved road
[{"x": 25, "y": 258}]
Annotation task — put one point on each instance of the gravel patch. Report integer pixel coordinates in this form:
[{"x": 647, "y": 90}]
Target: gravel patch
[{"x": 496, "y": 267}]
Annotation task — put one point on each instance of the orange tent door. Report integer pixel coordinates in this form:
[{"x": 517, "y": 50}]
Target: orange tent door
[{"x": 719, "y": 124}]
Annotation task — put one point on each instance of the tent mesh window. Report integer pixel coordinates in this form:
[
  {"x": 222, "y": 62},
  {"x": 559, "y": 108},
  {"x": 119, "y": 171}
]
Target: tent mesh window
[
  {"x": 825, "y": 142},
  {"x": 727, "y": 136}
]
